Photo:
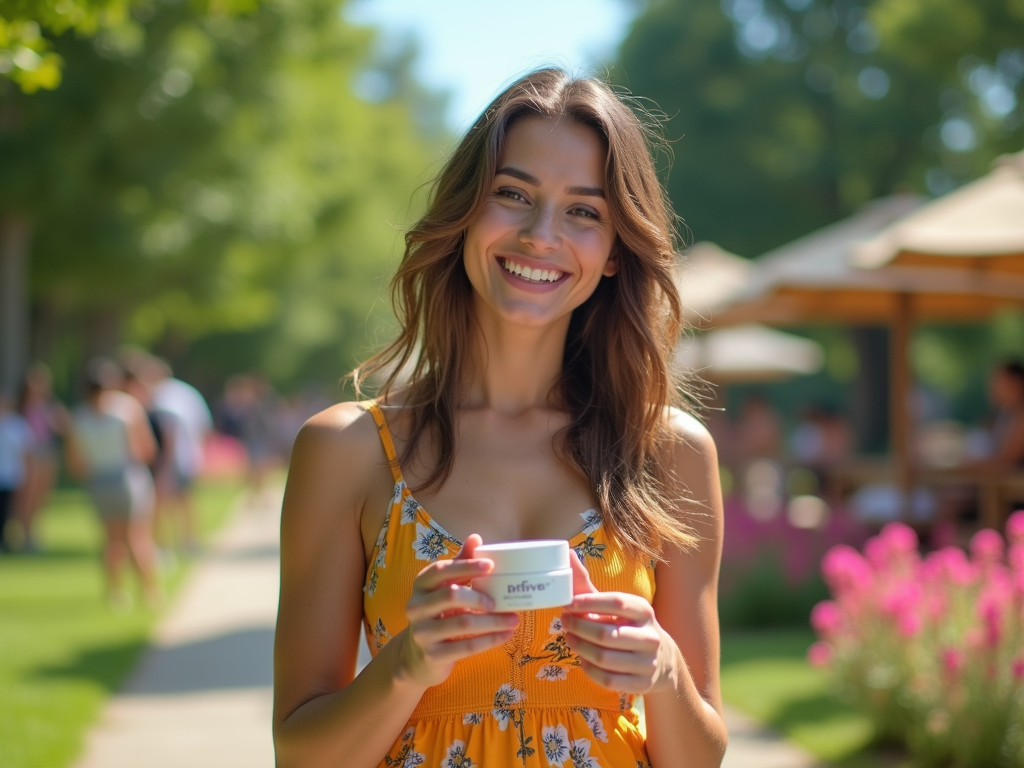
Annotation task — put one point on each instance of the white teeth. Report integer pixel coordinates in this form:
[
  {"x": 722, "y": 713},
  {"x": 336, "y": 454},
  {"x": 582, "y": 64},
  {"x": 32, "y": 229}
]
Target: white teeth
[{"x": 534, "y": 275}]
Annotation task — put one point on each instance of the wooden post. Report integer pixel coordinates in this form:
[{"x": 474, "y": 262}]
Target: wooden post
[{"x": 901, "y": 393}]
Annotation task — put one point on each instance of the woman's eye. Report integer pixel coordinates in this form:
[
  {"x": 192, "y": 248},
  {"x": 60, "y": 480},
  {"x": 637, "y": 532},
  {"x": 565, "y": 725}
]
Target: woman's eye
[
  {"x": 511, "y": 194},
  {"x": 589, "y": 213}
]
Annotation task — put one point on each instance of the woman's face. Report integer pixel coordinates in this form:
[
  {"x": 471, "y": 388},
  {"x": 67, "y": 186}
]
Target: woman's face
[{"x": 544, "y": 238}]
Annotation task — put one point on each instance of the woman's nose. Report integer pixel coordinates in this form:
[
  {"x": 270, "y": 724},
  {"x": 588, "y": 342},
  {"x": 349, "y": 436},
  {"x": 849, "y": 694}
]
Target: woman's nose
[{"x": 540, "y": 230}]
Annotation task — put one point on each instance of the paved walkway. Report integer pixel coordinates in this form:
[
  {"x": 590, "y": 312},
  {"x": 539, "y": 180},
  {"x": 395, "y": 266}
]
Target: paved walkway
[{"x": 201, "y": 695}]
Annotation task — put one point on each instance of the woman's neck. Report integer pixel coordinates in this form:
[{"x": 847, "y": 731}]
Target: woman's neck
[{"x": 513, "y": 368}]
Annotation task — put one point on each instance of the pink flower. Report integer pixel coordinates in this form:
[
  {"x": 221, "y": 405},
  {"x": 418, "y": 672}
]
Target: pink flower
[
  {"x": 901, "y": 599},
  {"x": 950, "y": 563},
  {"x": 987, "y": 547},
  {"x": 1017, "y": 669},
  {"x": 845, "y": 570},
  {"x": 819, "y": 655},
  {"x": 952, "y": 661},
  {"x": 909, "y": 624},
  {"x": 1015, "y": 527},
  {"x": 1015, "y": 557},
  {"x": 826, "y": 618},
  {"x": 899, "y": 538},
  {"x": 990, "y": 611}
]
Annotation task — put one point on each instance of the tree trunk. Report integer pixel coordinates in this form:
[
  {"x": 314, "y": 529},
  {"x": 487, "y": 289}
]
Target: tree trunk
[{"x": 15, "y": 236}]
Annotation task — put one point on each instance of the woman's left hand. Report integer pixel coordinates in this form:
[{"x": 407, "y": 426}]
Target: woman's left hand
[{"x": 617, "y": 637}]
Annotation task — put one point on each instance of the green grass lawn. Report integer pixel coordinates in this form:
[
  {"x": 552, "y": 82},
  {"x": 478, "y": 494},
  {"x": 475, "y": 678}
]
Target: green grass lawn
[
  {"x": 62, "y": 650},
  {"x": 765, "y": 674}
]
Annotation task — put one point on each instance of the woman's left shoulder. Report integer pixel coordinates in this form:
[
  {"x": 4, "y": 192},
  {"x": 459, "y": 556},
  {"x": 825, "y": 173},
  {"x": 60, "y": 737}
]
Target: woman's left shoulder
[{"x": 688, "y": 437}]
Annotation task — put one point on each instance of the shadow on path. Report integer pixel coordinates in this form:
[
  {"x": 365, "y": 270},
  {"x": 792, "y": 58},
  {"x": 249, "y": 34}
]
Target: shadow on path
[
  {"x": 105, "y": 665},
  {"x": 239, "y": 659}
]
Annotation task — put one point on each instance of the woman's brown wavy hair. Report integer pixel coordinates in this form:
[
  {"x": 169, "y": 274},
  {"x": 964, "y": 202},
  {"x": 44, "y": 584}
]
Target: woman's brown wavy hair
[{"x": 616, "y": 383}]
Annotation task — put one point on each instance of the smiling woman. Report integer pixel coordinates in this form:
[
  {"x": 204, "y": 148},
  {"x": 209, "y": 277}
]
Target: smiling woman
[{"x": 537, "y": 310}]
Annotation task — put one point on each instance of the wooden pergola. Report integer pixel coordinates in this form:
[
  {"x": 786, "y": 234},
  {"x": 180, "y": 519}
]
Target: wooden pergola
[{"x": 816, "y": 279}]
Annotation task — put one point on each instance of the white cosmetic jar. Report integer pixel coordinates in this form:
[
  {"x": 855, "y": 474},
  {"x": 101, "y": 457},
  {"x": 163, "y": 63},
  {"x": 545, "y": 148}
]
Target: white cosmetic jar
[{"x": 527, "y": 575}]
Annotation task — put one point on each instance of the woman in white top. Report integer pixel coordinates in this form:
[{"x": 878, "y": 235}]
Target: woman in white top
[{"x": 109, "y": 445}]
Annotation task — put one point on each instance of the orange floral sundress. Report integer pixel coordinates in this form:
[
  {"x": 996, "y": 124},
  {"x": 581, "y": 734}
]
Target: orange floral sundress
[{"x": 526, "y": 703}]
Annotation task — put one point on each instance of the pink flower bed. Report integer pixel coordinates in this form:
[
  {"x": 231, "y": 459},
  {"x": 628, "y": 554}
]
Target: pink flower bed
[
  {"x": 799, "y": 552},
  {"x": 931, "y": 648}
]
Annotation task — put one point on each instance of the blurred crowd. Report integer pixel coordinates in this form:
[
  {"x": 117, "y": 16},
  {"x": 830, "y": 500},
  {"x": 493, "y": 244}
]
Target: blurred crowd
[
  {"x": 136, "y": 440},
  {"x": 775, "y": 470}
]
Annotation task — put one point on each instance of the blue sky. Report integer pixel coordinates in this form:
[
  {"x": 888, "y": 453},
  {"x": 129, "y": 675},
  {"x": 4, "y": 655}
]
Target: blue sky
[{"x": 471, "y": 48}]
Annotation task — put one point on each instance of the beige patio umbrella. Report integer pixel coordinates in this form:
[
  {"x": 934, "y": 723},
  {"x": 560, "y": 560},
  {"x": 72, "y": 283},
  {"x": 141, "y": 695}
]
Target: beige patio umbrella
[
  {"x": 708, "y": 277},
  {"x": 978, "y": 227},
  {"x": 748, "y": 353},
  {"x": 813, "y": 279}
]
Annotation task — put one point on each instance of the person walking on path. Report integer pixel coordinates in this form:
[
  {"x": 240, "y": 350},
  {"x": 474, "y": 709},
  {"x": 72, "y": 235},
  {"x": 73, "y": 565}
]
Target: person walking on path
[
  {"x": 109, "y": 446},
  {"x": 193, "y": 422},
  {"x": 538, "y": 308},
  {"x": 47, "y": 421},
  {"x": 15, "y": 443}
]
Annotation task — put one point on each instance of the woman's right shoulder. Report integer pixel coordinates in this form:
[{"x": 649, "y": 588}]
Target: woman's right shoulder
[
  {"x": 345, "y": 432},
  {"x": 335, "y": 458}
]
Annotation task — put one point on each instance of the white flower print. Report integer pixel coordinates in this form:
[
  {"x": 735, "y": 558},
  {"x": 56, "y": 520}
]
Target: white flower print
[
  {"x": 415, "y": 758},
  {"x": 552, "y": 672},
  {"x": 409, "y": 508},
  {"x": 472, "y": 718},
  {"x": 381, "y": 636},
  {"x": 429, "y": 543},
  {"x": 593, "y": 718},
  {"x": 591, "y": 520},
  {"x": 504, "y": 701},
  {"x": 556, "y": 626},
  {"x": 456, "y": 756},
  {"x": 382, "y": 535},
  {"x": 396, "y": 495},
  {"x": 579, "y": 753},
  {"x": 556, "y": 744}
]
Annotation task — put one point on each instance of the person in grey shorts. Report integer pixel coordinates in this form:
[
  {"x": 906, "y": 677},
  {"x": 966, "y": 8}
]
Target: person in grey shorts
[{"x": 109, "y": 445}]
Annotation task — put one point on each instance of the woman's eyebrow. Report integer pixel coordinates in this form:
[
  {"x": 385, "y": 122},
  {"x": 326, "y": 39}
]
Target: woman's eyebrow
[{"x": 529, "y": 178}]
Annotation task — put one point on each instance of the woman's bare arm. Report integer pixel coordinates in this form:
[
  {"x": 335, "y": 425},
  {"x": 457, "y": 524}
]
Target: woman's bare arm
[
  {"x": 324, "y": 714},
  {"x": 687, "y": 719},
  {"x": 667, "y": 651}
]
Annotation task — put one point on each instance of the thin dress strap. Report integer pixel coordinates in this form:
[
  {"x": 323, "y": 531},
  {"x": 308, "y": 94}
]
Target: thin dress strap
[{"x": 385, "y": 438}]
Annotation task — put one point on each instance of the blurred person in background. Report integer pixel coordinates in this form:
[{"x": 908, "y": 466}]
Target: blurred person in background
[
  {"x": 109, "y": 445},
  {"x": 758, "y": 433},
  {"x": 15, "y": 445},
  {"x": 47, "y": 421},
  {"x": 1006, "y": 393},
  {"x": 193, "y": 423},
  {"x": 258, "y": 431},
  {"x": 165, "y": 428}
]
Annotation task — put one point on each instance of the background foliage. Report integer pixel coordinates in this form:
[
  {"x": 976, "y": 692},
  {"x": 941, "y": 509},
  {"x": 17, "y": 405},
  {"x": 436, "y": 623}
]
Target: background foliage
[
  {"x": 790, "y": 114},
  {"x": 221, "y": 191}
]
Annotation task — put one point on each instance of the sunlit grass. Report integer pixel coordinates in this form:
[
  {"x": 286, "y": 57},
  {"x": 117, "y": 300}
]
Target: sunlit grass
[{"x": 62, "y": 650}]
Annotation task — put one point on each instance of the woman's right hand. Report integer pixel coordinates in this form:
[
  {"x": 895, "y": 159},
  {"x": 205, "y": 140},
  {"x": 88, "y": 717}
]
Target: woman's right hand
[{"x": 448, "y": 620}]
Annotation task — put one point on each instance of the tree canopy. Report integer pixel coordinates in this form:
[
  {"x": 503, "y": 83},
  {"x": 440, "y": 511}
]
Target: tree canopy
[
  {"x": 789, "y": 114},
  {"x": 26, "y": 50},
  {"x": 211, "y": 185}
]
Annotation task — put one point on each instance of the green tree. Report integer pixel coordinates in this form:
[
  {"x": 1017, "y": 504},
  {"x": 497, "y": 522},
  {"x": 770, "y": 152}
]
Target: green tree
[
  {"x": 211, "y": 186},
  {"x": 26, "y": 54},
  {"x": 790, "y": 114}
]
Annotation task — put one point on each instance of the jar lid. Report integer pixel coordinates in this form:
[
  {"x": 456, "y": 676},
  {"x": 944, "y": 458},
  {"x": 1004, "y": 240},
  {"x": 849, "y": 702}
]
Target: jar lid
[{"x": 526, "y": 556}]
